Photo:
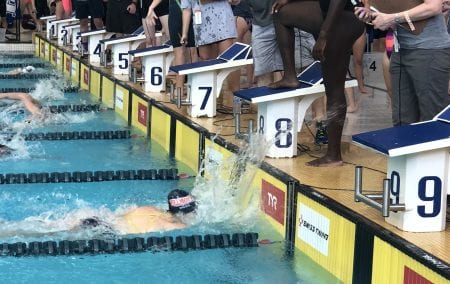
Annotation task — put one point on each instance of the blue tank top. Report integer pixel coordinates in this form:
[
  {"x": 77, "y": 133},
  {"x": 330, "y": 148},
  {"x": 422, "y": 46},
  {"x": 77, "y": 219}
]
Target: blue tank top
[{"x": 324, "y": 4}]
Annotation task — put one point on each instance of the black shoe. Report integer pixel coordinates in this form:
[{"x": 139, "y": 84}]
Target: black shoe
[{"x": 321, "y": 137}]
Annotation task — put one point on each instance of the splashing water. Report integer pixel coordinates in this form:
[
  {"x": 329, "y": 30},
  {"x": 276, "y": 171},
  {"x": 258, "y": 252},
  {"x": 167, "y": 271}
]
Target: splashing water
[
  {"x": 49, "y": 89},
  {"x": 224, "y": 192}
]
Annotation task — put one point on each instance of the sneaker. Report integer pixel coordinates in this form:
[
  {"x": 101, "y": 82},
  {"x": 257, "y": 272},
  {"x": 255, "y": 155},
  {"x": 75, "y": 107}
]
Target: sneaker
[{"x": 321, "y": 137}]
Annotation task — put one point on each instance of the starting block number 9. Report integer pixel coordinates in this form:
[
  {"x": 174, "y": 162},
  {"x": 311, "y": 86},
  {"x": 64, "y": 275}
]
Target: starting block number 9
[{"x": 432, "y": 195}]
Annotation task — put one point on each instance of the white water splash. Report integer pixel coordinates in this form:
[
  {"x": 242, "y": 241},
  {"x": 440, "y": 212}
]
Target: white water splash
[
  {"x": 224, "y": 193},
  {"x": 49, "y": 89}
]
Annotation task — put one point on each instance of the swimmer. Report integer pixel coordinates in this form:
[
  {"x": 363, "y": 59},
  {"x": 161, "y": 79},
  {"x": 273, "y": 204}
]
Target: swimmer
[
  {"x": 25, "y": 70},
  {"x": 140, "y": 220},
  {"x": 30, "y": 103}
]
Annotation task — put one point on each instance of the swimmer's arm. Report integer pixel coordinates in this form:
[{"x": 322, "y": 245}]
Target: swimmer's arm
[{"x": 30, "y": 104}]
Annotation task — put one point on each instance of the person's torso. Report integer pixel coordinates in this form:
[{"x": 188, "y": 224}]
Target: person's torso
[
  {"x": 433, "y": 36},
  {"x": 261, "y": 10}
]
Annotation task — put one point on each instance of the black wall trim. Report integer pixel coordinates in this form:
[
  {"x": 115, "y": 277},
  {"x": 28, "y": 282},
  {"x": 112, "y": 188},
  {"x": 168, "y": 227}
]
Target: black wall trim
[{"x": 363, "y": 254}]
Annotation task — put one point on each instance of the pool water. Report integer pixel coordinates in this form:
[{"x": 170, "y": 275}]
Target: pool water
[{"x": 32, "y": 207}]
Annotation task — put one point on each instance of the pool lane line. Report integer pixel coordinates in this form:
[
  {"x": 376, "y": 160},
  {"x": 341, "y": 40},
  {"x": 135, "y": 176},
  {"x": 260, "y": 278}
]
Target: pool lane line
[
  {"x": 71, "y": 135},
  {"x": 28, "y": 76},
  {"x": 89, "y": 176},
  {"x": 24, "y": 64},
  {"x": 130, "y": 245},
  {"x": 29, "y": 90},
  {"x": 17, "y": 55}
]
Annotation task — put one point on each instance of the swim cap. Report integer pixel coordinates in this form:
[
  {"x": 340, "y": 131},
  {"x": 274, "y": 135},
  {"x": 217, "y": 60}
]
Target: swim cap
[
  {"x": 28, "y": 69},
  {"x": 180, "y": 201}
]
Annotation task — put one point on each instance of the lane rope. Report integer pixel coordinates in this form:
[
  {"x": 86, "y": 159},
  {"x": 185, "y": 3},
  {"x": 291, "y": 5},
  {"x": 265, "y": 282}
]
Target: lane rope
[
  {"x": 71, "y": 135},
  {"x": 129, "y": 245},
  {"x": 89, "y": 176}
]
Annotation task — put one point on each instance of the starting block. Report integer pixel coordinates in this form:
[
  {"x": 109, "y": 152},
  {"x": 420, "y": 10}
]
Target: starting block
[
  {"x": 64, "y": 31},
  {"x": 68, "y": 37},
  {"x": 57, "y": 30},
  {"x": 94, "y": 38},
  {"x": 205, "y": 78},
  {"x": 416, "y": 187},
  {"x": 155, "y": 65},
  {"x": 281, "y": 111},
  {"x": 119, "y": 50}
]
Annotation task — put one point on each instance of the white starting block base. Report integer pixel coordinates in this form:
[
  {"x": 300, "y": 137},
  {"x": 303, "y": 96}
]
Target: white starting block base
[
  {"x": 94, "y": 38},
  {"x": 205, "y": 78},
  {"x": 422, "y": 177},
  {"x": 155, "y": 65},
  {"x": 418, "y": 170},
  {"x": 281, "y": 111}
]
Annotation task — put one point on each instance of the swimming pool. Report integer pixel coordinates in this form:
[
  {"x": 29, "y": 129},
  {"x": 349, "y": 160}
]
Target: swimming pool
[{"x": 42, "y": 202}]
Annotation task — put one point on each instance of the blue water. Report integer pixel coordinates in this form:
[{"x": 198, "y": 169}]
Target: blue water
[{"x": 29, "y": 206}]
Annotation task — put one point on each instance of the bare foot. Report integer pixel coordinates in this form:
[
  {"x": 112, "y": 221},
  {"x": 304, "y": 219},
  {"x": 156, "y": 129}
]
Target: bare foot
[
  {"x": 362, "y": 89},
  {"x": 325, "y": 162},
  {"x": 352, "y": 108},
  {"x": 285, "y": 83}
]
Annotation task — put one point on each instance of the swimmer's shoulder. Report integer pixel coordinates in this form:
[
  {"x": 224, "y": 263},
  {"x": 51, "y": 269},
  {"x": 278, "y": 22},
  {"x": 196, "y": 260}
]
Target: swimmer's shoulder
[{"x": 145, "y": 210}]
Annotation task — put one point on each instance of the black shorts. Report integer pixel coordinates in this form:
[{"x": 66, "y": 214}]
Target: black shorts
[
  {"x": 42, "y": 9},
  {"x": 2, "y": 8},
  {"x": 93, "y": 8},
  {"x": 118, "y": 20},
  {"x": 176, "y": 26},
  {"x": 161, "y": 10}
]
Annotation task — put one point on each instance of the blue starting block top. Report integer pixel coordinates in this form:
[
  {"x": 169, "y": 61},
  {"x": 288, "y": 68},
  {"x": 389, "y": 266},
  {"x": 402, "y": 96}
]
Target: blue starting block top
[
  {"x": 407, "y": 139},
  {"x": 238, "y": 51},
  {"x": 444, "y": 115},
  {"x": 148, "y": 49},
  {"x": 310, "y": 83}
]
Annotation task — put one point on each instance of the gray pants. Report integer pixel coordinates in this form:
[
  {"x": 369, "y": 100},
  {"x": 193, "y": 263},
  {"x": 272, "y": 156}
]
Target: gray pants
[{"x": 419, "y": 84}]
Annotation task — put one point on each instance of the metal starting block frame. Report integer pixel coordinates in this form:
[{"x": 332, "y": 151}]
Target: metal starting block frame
[{"x": 54, "y": 28}]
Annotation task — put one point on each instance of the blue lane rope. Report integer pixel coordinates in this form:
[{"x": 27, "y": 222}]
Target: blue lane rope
[{"x": 128, "y": 245}]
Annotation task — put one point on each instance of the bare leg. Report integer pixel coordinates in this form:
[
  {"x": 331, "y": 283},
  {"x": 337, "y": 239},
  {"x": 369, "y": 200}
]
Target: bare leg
[
  {"x": 358, "y": 53},
  {"x": 305, "y": 15},
  {"x": 352, "y": 106},
  {"x": 346, "y": 30}
]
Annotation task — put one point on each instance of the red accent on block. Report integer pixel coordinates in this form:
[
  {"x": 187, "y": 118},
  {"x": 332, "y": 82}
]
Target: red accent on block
[
  {"x": 68, "y": 64},
  {"x": 142, "y": 114},
  {"x": 273, "y": 200},
  {"x": 412, "y": 277},
  {"x": 86, "y": 76}
]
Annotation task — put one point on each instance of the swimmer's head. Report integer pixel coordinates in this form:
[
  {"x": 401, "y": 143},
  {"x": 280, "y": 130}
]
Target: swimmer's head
[
  {"x": 180, "y": 201},
  {"x": 28, "y": 69}
]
